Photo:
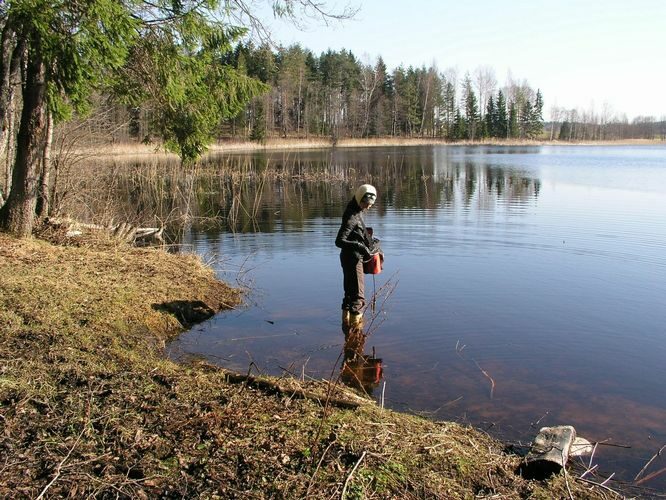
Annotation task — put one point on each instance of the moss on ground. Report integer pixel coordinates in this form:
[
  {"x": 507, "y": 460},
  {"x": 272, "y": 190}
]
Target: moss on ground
[{"x": 90, "y": 407}]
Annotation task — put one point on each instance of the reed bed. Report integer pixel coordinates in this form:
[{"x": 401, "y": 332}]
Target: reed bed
[{"x": 221, "y": 191}]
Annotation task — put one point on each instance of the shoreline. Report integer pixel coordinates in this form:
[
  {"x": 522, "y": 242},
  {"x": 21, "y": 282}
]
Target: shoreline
[
  {"x": 154, "y": 150},
  {"x": 91, "y": 405}
]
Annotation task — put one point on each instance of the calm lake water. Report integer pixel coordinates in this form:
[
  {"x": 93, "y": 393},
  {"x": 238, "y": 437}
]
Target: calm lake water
[{"x": 523, "y": 286}]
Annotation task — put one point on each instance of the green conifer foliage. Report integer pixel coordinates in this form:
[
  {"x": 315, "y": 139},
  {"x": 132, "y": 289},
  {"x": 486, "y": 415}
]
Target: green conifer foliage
[
  {"x": 491, "y": 118},
  {"x": 514, "y": 128},
  {"x": 471, "y": 109},
  {"x": 502, "y": 122},
  {"x": 536, "y": 122},
  {"x": 525, "y": 119}
]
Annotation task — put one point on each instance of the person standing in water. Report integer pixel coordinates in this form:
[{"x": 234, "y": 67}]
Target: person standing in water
[{"x": 355, "y": 245}]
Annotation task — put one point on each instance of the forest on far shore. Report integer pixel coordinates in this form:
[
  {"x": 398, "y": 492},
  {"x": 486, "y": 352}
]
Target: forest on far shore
[{"x": 336, "y": 95}]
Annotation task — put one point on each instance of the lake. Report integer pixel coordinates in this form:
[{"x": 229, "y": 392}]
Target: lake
[{"x": 523, "y": 286}]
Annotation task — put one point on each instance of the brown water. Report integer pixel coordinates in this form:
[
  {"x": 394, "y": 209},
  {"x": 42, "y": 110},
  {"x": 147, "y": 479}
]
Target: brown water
[{"x": 523, "y": 286}]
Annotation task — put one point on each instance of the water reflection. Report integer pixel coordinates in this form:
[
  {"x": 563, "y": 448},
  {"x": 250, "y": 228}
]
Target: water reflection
[
  {"x": 278, "y": 191},
  {"x": 359, "y": 370}
]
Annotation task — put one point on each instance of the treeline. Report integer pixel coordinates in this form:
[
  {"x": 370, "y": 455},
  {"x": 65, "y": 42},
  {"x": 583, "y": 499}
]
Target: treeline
[
  {"x": 590, "y": 125},
  {"x": 336, "y": 95}
]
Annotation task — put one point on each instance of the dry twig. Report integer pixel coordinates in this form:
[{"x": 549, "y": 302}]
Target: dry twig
[
  {"x": 652, "y": 476},
  {"x": 600, "y": 485},
  {"x": 492, "y": 382},
  {"x": 59, "y": 467},
  {"x": 649, "y": 462},
  {"x": 344, "y": 489}
]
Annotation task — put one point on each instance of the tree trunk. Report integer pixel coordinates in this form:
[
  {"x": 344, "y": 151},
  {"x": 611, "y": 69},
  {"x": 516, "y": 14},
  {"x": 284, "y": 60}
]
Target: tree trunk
[
  {"x": 425, "y": 106},
  {"x": 7, "y": 48},
  {"x": 18, "y": 214},
  {"x": 8, "y": 145},
  {"x": 10, "y": 80},
  {"x": 43, "y": 201},
  {"x": 298, "y": 109}
]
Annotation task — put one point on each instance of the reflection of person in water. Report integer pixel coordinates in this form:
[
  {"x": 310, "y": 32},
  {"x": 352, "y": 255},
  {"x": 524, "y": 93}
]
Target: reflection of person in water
[
  {"x": 359, "y": 370},
  {"x": 355, "y": 245}
]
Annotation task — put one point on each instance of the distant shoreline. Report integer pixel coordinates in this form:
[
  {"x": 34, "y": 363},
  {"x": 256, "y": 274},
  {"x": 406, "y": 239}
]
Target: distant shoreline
[{"x": 137, "y": 149}]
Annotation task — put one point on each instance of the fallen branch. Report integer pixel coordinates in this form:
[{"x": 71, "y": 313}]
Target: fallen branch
[
  {"x": 123, "y": 232},
  {"x": 275, "y": 388}
]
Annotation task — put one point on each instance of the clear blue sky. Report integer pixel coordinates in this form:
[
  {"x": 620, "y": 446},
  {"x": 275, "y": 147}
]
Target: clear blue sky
[{"x": 580, "y": 53}]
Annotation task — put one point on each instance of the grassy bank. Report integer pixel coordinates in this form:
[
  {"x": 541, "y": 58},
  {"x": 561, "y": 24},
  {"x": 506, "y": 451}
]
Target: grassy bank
[{"x": 90, "y": 406}]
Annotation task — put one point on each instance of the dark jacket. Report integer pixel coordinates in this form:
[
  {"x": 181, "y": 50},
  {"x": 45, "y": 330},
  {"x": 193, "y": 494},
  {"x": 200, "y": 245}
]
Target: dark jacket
[{"x": 353, "y": 238}]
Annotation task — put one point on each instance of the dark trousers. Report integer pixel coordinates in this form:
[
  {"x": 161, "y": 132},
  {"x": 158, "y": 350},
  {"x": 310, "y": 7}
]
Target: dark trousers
[{"x": 354, "y": 285}]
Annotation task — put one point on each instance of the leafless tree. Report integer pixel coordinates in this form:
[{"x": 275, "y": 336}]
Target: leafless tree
[
  {"x": 298, "y": 12},
  {"x": 555, "y": 114},
  {"x": 370, "y": 79},
  {"x": 486, "y": 83}
]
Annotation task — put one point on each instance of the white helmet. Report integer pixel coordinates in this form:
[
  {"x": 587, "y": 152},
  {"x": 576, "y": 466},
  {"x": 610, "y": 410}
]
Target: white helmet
[{"x": 367, "y": 192}]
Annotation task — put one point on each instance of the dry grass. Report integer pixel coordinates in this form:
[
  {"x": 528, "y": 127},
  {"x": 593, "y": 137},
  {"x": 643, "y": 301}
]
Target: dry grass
[
  {"x": 90, "y": 407},
  {"x": 138, "y": 150}
]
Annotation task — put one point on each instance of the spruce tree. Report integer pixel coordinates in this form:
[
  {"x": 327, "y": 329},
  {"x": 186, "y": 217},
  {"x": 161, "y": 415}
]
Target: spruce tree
[
  {"x": 471, "y": 109},
  {"x": 502, "y": 122},
  {"x": 536, "y": 122},
  {"x": 514, "y": 129},
  {"x": 525, "y": 119},
  {"x": 449, "y": 109},
  {"x": 491, "y": 118},
  {"x": 258, "y": 133},
  {"x": 459, "y": 126},
  {"x": 412, "y": 101},
  {"x": 565, "y": 131}
]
